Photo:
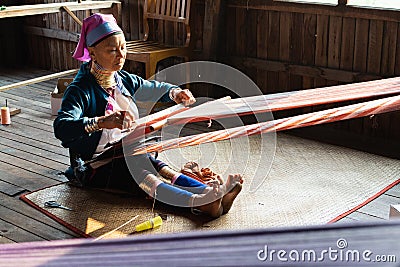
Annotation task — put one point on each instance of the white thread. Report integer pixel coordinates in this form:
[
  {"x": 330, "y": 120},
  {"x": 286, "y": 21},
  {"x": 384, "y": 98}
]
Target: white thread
[{"x": 112, "y": 231}]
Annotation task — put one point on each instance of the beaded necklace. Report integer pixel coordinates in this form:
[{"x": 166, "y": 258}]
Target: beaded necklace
[{"x": 105, "y": 78}]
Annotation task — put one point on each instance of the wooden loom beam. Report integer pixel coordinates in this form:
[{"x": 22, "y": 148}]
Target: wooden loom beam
[
  {"x": 276, "y": 102},
  {"x": 325, "y": 116},
  {"x": 38, "y": 79},
  {"x": 289, "y": 100}
]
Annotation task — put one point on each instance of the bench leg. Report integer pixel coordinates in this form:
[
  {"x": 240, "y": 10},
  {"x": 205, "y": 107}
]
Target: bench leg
[{"x": 151, "y": 68}]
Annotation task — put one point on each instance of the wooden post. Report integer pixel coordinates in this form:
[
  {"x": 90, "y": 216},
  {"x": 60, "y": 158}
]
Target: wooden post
[{"x": 342, "y": 2}]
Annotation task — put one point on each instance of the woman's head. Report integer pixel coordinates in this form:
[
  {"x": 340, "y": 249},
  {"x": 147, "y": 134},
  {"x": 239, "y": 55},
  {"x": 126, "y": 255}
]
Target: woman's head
[
  {"x": 110, "y": 52},
  {"x": 100, "y": 34}
]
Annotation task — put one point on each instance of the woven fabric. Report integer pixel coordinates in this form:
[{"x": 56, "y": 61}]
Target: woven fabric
[{"x": 308, "y": 183}]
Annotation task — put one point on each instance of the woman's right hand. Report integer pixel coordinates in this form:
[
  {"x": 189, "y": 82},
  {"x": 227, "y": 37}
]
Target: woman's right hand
[{"x": 119, "y": 119}]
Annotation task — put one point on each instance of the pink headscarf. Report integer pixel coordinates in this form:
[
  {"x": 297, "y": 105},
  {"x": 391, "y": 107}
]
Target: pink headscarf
[{"x": 94, "y": 28}]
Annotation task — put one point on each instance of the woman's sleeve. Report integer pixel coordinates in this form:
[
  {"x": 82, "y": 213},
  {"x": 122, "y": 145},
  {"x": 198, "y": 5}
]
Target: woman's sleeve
[
  {"x": 152, "y": 91},
  {"x": 69, "y": 126}
]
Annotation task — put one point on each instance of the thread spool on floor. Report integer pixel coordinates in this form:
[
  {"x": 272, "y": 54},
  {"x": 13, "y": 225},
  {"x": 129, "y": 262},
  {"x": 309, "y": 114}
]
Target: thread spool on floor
[{"x": 5, "y": 116}]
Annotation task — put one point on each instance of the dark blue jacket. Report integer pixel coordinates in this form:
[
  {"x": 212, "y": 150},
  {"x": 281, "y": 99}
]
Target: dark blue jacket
[{"x": 84, "y": 99}]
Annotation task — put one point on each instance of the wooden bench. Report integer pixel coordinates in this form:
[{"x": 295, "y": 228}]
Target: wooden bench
[{"x": 151, "y": 52}]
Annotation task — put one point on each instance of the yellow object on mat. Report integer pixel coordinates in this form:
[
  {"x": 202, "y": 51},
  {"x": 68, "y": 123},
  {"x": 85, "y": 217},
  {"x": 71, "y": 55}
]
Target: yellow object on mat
[{"x": 150, "y": 224}]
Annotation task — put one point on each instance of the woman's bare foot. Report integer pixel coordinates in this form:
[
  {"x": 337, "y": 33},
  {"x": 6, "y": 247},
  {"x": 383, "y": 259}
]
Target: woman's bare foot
[
  {"x": 209, "y": 202},
  {"x": 232, "y": 188}
]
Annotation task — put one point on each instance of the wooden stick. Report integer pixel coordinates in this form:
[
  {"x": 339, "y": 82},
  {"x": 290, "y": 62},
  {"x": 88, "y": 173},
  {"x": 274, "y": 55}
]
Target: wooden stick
[
  {"x": 38, "y": 79},
  {"x": 156, "y": 117},
  {"x": 161, "y": 123},
  {"x": 77, "y": 20},
  {"x": 119, "y": 227},
  {"x": 14, "y": 111}
]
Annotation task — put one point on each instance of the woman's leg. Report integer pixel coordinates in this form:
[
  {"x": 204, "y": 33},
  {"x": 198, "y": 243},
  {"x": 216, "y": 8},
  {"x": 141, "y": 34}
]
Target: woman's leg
[
  {"x": 180, "y": 180},
  {"x": 115, "y": 176},
  {"x": 229, "y": 190},
  {"x": 209, "y": 203}
]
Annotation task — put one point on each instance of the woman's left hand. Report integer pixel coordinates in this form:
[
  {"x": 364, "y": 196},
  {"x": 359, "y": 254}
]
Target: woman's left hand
[
  {"x": 183, "y": 96},
  {"x": 119, "y": 119}
]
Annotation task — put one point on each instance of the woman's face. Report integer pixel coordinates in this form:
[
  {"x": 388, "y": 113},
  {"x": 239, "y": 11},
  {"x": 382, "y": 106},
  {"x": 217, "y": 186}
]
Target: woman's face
[{"x": 110, "y": 53}]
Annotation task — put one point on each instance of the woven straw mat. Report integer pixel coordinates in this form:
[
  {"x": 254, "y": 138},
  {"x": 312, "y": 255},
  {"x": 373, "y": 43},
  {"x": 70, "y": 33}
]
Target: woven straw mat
[{"x": 308, "y": 183}]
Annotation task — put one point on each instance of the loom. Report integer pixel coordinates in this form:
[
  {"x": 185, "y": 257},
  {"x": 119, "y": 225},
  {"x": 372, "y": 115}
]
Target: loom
[{"x": 389, "y": 89}]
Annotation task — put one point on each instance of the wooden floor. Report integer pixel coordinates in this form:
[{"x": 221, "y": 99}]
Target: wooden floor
[{"x": 31, "y": 158}]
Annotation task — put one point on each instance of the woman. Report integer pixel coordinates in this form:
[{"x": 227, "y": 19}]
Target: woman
[{"x": 100, "y": 103}]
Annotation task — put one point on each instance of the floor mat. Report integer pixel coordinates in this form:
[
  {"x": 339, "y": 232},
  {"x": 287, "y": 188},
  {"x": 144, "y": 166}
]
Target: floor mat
[{"x": 307, "y": 183}]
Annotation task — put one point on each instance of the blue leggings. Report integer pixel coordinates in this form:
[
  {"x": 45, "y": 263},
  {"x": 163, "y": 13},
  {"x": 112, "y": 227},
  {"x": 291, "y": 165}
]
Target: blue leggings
[{"x": 180, "y": 192}]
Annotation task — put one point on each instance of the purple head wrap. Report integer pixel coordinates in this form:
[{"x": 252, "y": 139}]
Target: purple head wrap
[{"x": 94, "y": 28}]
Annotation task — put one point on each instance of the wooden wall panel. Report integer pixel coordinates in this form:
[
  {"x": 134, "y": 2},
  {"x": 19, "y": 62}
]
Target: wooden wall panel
[
  {"x": 249, "y": 35},
  {"x": 309, "y": 43},
  {"x": 388, "y": 60},
  {"x": 240, "y": 32},
  {"x": 361, "y": 45},
  {"x": 334, "y": 44},
  {"x": 296, "y": 45},
  {"x": 347, "y": 45},
  {"x": 315, "y": 46},
  {"x": 284, "y": 48},
  {"x": 262, "y": 48},
  {"x": 273, "y": 48},
  {"x": 375, "y": 46},
  {"x": 397, "y": 65},
  {"x": 321, "y": 47}
]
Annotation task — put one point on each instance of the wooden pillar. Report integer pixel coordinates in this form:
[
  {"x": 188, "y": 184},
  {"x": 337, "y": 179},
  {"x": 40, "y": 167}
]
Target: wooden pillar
[{"x": 342, "y": 2}]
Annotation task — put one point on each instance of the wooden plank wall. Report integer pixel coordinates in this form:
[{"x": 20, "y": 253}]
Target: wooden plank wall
[
  {"x": 47, "y": 52},
  {"x": 52, "y": 38},
  {"x": 292, "y": 46}
]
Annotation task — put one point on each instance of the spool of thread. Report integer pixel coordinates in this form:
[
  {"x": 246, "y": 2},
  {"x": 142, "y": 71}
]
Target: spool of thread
[
  {"x": 5, "y": 116},
  {"x": 150, "y": 224}
]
